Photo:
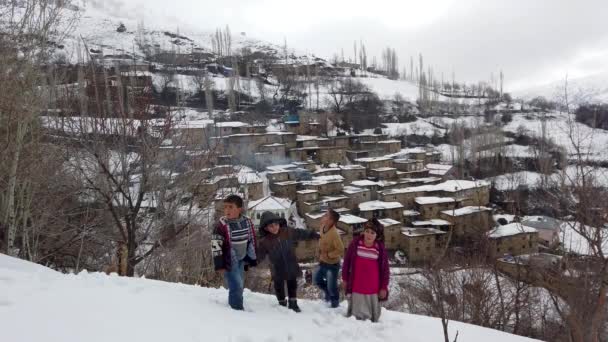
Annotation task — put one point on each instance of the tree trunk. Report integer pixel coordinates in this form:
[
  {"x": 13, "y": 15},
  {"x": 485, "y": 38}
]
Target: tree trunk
[{"x": 10, "y": 211}]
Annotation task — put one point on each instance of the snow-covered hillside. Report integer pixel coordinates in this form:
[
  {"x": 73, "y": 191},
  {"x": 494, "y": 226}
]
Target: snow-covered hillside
[
  {"x": 594, "y": 88},
  {"x": 38, "y": 304}
]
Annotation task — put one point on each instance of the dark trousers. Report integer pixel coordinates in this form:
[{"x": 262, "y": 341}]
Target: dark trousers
[
  {"x": 326, "y": 279},
  {"x": 292, "y": 288}
]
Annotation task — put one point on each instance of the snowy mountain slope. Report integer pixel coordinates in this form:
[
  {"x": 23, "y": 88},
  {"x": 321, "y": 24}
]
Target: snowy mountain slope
[
  {"x": 37, "y": 304},
  {"x": 594, "y": 88}
]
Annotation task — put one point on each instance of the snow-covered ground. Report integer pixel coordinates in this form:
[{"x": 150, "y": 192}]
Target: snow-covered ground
[
  {"x": 38, "y": 304},
  {"x": 563, "y": 130}
]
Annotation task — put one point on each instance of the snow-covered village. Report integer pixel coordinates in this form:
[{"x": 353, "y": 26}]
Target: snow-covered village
[{"x": 172, "y": 173}]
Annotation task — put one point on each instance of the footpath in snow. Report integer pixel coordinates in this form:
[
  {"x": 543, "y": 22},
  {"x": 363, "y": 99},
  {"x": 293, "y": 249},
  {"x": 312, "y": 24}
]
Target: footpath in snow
[{"x": 38, "y": 304}]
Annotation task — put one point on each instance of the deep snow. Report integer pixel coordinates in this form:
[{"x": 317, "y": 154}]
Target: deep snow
[{"x": 38, "y": 304}]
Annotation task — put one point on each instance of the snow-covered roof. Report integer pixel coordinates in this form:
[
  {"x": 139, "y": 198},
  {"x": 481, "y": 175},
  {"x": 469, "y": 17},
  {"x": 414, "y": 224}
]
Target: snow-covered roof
[
  {"x": 384, "y": 169},
  {"x": 457, "y": 185},
  {"x": 330, "y": 169},
  {"x": 306, "y": 137},
  {"x": 316, "y": 214},
  {"x": 377, "y": 205},
  {"x": 510, "y": 230},
  {"x": 387, "y": 222},
  {"x": 352, "y": 167},
  {"x": 446, "y": 167},
  {"x": 419, "y": 180},
  {"x": 389, "y": 141},
  {"x": 421, "y": 231},
  {"x": 363, "y": 183},
  {"x": 352, "y": 190},
  {"x": 233, "y": 124},
  {"x": 270, "y": 203},
  {"x": 433, "y": 222},
  {"x": 351, "y": 219},
  {"x": 411, "y": 213},
  {"x": 541, "y": 222},
  {"x": 433, "y": 200},
  {"x": 321, "y": 180},
  {"x": 465, "y": 211},
  {"x": 372, "y": 159},
  {"x": 282, "y": 167},
  {"x": 193, "y": 124},
  {"x": 307, "y": 191}
]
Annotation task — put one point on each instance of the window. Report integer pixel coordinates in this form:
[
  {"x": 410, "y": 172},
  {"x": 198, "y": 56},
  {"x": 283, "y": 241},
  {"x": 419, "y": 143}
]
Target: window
[
  {"x": 282, "y": 215},
  {"x": 417, "y": 249},
  {"x": 258, "y": 216}
]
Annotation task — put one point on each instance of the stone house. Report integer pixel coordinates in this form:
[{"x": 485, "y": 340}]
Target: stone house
[
  {"x": 352, "y": 173},
  {"x": 405, "y": 196},
  {"x": 512, "y": 239},
  {"x": 341, "y": 141},
  {"x": 285, "y": 189},
  {"x": 410, "y": 216},
  {"x": 355, "y": 196},
  {"x": 369, "y": 185},
  {"x": 420, "y": 245},
  {"x": 410, "y": 168},
  {"x": 380, "y": 209},
  {"x": 468, "y": 193},
  {"x": 329, "y": 155},
  {"x": 375, "y": 163},
  {"x": 389, "y": 146},
  {"x": 253, "y": 185},
  {"x": 392, "y": 233},
  {"x": 383, "y": 173},
  {"x": 351, "y": 224},
  {"x": 430, "y": 207},
  {"x": 445, "y": 171},
  {"x": 353, "y": 155},
  {"x": 277, "y": 152},
  {"x": 468, "y": 221},
  {"x": 413, "y": 182},
  {"x": 325, "y": 185},
  {"x": 433, "y": 223},
  {"x": 303, "y": 197}
]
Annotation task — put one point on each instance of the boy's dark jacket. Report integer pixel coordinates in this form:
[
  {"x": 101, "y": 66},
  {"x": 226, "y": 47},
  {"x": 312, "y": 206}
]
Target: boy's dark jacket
[
  {"x": 280, "y": 247},
  {"x": 221, "y": 245}
]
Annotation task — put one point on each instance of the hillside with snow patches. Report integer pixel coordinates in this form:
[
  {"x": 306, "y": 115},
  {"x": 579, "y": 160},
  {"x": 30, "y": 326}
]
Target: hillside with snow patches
[{"x": 39, "y": 304}]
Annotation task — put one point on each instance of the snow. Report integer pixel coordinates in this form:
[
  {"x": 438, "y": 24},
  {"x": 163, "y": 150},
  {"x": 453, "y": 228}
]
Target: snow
[
  {"x": 270, "y": 203},
  {"x": 433, "y": 200},
  {"x": 410, "y": 213},
  {"x": 352, "y": 167},
  {"x": 379, "y": 205},
  {"x": 38, "y": 304},
  {"x": 418, "y": 127},
  {"x": 352, "y": 190},
  {"x": 574, "y": 242},
  {"x": 384, "y": 169},
  {"x": 372, "y": 159},
  {"x": 387, "y": 222},
  {"x": 307, "y": 191},
  {"x": 432, "y": 222},
  {"x": 330, "y": 178},
  {"x": 559, "y": 127},
  {"x": 233, "y": 124},
  {"x": 421, "y": 231},
  {"x": 351, "y": 219},
  {"x": 569, "y": 176},
  {"x": 249, "y": 178},
  {"x": 510, "y": 230},
  {"x": 466, "y": 211},
  {"x": 364, "y": 183},
  {"x": 438, "y": 169}
]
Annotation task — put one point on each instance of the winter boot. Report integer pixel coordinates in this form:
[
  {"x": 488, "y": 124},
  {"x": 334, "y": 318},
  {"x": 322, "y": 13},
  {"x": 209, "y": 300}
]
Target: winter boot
[
  {"x": 293, "y": 305},
  {"x": 283, "y": 302}
]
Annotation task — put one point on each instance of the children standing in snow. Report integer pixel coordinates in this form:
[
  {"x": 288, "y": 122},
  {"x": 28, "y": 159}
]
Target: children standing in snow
[
  {"x": 365, "y": 273},
  {"x": 277, "y": 241},
  {"x": 233, "y": 247}
]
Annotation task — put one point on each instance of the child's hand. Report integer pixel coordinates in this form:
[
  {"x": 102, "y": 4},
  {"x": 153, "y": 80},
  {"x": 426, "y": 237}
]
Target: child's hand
[{"x": 382, "y": 294}]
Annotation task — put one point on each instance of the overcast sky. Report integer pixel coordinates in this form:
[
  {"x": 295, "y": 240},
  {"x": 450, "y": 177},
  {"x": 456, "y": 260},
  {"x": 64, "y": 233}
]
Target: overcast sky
[{"x": 532, "y": 41}]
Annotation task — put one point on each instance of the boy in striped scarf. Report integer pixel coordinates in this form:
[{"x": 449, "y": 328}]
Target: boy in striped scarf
[
  {"x": 233, "y": 247},
  {"x": 365, "y": 273}
]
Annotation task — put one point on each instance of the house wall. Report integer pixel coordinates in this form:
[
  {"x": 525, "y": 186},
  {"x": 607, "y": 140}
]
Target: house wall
[
  {"x": 524, "y": 243},
  {"x": 331, "y": 155},
  {"x": 420, "y": 249},
  {"x": 285, "y": 190},
  {"x": 356, "y": 198},
  {"x": 351, "y": 175},
  {"x": 395, "y": 214},
  {"x": 432, "y": 211},
  {"x": 470, "y": 225},
  {"x": 383, "y": 175}
]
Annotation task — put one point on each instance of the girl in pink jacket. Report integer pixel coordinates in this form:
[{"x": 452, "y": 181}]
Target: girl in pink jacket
[{"x": 365, "y": 273}]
